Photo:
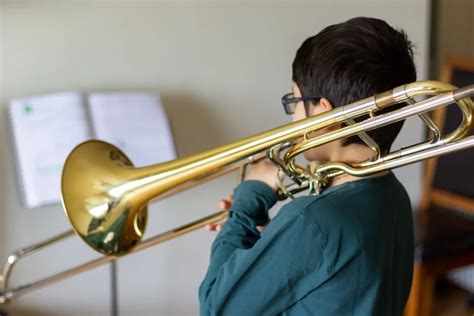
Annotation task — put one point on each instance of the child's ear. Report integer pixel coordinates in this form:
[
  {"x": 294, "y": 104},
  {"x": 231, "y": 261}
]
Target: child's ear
[{"x": 326, "y": 104}]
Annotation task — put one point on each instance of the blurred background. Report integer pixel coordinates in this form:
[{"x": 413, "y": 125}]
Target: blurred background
[{"x": 220, "y": 68}]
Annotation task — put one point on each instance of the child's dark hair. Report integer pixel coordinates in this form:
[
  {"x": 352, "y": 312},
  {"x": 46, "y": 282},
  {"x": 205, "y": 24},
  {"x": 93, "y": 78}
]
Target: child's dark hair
[{"x": 353, "y": 60}]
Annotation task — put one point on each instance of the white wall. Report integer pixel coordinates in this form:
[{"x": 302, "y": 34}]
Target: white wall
[{"x": 220, "y": 67}]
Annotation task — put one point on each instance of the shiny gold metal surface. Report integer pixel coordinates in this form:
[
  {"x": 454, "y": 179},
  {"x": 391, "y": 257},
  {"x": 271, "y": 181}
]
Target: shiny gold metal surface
[
  {"x": 93, "y": 183},
  {"x": 105, "y": 197}
]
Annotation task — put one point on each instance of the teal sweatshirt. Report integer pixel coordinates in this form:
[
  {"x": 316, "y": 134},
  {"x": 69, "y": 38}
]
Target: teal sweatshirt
[{"x": 348, "y": 251}]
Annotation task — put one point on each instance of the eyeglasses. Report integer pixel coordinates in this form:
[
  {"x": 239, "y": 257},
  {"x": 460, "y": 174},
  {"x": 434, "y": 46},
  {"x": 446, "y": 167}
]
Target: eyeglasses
[{"x": 289, "y": 101}]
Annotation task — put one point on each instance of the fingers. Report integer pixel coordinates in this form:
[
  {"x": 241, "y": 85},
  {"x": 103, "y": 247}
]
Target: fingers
[
  {"x": 224, "y": 204},
  {"x": 264, "y": 171},
  {"x": 213, "y": 227},
  {"x": 216, "y": 226}
]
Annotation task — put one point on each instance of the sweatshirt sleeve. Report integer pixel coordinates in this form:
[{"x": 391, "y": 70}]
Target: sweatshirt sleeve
[{"x": 253, "y": 274}]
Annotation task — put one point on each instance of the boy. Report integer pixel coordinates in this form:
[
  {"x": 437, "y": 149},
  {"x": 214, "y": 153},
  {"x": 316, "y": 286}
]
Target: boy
[{"x": 349, "y": 250}]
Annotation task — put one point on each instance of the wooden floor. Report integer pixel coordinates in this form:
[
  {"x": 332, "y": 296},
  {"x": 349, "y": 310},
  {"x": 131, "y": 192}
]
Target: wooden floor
[{"x": 451, "y": 300}]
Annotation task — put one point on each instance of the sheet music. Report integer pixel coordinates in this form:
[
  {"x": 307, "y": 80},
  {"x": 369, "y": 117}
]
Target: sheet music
[
  {"x": 134, "y": 122},
  {"x": 45, "y": 129}
]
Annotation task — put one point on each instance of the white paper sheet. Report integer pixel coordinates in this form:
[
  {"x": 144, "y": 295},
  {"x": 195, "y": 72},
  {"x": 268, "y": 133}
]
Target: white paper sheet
[
  {"x": 45, "y": 129},
  {"x": 134, "y": 122}
]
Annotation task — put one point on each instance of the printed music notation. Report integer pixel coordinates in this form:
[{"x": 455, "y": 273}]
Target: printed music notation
[{"x": 46, "y": 128}]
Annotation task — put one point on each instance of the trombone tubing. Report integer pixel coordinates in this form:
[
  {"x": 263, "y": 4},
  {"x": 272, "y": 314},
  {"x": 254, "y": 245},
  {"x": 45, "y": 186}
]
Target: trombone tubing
[
  {"x": 174, "y": 174},
  {"x": 23, "y": 252},
  {"x": 151, "y": 181},
  {"x": 7, "y": 295},
  {"x": 418, "y": 152},
  {"x": 251, "y": 145},
  {"x": 392, "y": 117},
  {"x": 12, "y": 260}
]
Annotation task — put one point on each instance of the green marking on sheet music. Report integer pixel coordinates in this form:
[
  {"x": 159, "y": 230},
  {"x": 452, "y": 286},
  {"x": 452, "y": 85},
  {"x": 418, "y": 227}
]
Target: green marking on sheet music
[{"x": 28, "y": 108}]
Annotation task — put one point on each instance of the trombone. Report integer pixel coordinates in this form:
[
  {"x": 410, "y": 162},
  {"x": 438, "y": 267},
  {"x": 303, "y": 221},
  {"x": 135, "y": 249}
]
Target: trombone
[{"x": 105, "y": 197}]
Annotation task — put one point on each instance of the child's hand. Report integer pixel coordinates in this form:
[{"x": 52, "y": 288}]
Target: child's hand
[
  {"x": 264, "y": 171},
  {"x": 224, "y": 204}
]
